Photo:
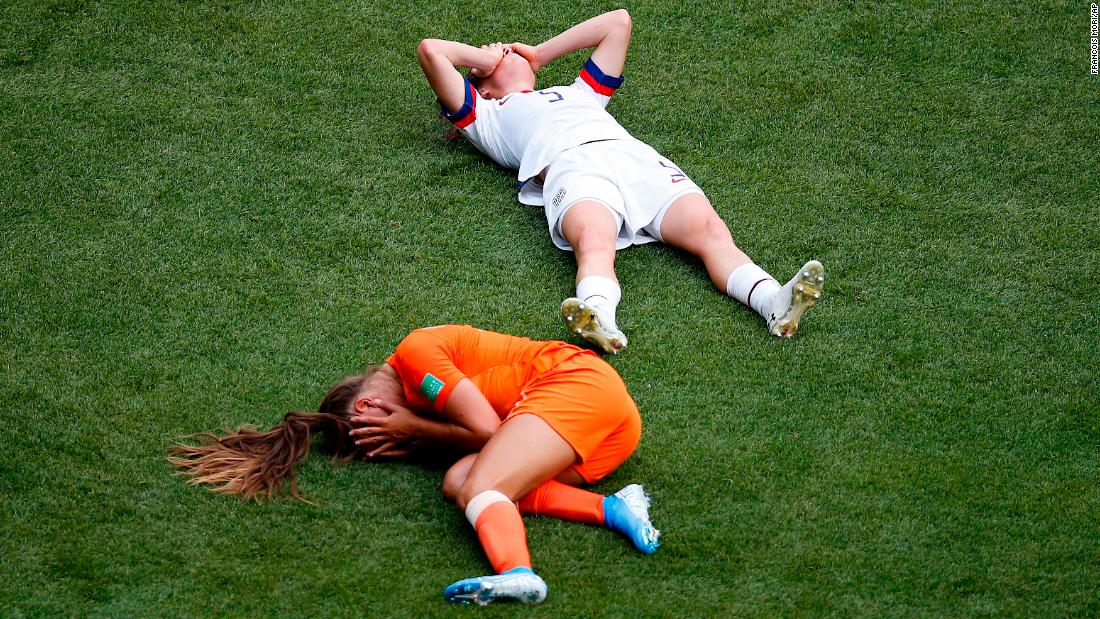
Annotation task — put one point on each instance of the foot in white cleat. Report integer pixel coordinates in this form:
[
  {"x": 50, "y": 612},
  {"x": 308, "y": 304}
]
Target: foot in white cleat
[
  {"x": 582, "y": 319},
  {"x": 519, "y": 584},
  {"x": 794, "y": 298}
]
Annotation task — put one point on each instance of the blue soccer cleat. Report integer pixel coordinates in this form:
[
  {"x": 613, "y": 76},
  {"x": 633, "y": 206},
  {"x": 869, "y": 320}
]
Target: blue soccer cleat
[
  {"x": 519, "y": 584},
  {"x": 627, "y": 511}
]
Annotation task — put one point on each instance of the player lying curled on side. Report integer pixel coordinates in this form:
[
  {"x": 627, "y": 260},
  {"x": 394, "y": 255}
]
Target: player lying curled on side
[
  {"x": 540, "y": 418},
  {"x": 601, "y": 189}
]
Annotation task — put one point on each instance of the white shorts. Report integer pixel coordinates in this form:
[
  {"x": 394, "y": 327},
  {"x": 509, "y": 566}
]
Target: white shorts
[{"x": 629, "y": 177}]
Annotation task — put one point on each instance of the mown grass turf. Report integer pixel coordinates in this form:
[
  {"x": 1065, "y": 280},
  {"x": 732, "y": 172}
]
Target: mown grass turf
[{"x": 213, "y": 210}]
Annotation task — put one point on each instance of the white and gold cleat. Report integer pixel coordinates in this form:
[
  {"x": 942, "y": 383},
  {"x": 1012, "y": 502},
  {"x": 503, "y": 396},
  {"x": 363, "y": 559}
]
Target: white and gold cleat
[
  {"x": 793, "y": 299},
  {"x": 582, "y": 319}
]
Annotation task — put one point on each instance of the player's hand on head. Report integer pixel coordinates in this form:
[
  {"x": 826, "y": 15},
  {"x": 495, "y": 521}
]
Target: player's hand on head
[
  {"x": 398, "y": 449},
  {"x": 529, "y": 53},
  {"x": 498, "y": 51},
  {"x": 382, "y": 427}
]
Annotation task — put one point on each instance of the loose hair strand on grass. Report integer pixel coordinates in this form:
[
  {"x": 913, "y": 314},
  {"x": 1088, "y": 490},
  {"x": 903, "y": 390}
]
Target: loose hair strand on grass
[{"x": 255, "y": 464}]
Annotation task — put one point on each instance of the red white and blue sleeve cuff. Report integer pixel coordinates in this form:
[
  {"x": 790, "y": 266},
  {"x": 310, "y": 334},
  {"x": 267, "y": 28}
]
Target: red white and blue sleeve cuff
[
  {"x": 468, "y": 112},
  {"x": 598, "y": 80}
]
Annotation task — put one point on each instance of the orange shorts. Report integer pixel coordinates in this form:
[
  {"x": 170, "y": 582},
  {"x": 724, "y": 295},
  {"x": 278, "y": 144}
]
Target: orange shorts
[{"x": 585, "y": 401}]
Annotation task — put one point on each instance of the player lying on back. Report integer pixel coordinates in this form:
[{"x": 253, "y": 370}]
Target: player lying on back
[
  {"x": 601, "y": 189},
  {"x": 540, "y": 418}
]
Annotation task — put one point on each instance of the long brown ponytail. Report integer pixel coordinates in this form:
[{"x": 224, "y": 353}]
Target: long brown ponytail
[{"x": 256, "y": 464}]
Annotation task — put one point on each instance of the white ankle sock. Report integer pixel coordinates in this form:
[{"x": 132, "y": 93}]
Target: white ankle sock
[
  {"x": 752, "y": 286},
  {"x": 601, "y": 293}
]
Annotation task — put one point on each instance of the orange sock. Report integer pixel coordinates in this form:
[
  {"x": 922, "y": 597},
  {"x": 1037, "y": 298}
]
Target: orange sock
[
  {"x": 563, "y": 501},
  {"x": 500, "y": 529}
]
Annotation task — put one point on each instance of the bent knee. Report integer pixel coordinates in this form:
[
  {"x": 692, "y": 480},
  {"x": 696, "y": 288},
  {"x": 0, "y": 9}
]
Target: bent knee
[
  {"x": 451, "y": 486},
  {"x": 456, "y": 476},
  {"x": 463, "y": 496}
]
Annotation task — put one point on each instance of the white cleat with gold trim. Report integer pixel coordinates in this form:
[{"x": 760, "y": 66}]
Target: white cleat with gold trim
[
  {"x": 794, "y": 298},
  {"x": 582, "y": 319}
]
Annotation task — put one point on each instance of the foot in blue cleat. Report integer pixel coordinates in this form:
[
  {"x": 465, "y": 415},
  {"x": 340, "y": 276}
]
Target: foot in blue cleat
[
  {"x": 627, "y": 511},
  {"x": 519, "y": 584}
]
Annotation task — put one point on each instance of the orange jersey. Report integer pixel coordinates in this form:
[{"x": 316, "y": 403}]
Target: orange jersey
[
  {"x": 574, "y": 391},
  {"x": 432, "y": 361}
]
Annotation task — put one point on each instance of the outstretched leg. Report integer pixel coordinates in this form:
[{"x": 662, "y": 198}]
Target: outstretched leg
[
  {"x": 590, "y": 228},
  {"x": 692, "y": 224}
]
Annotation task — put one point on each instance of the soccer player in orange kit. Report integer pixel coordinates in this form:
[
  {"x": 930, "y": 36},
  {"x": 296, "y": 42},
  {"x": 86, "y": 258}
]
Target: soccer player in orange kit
[{"x": 540, "y": 419}]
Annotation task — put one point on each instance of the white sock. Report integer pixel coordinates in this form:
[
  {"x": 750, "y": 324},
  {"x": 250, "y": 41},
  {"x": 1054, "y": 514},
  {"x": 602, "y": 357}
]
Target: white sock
[
  {"x": 602, "y": 294},
  {"x": 752, "y": 286},
  {"x": 480, "y": 502}
]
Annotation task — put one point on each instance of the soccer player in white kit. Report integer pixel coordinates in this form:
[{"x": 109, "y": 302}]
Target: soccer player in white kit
[{"x": 602, "y": 190}]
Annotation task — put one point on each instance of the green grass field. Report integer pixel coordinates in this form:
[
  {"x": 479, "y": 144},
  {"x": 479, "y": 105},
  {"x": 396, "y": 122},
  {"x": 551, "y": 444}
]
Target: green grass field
[{"x": 211, "y": 211}]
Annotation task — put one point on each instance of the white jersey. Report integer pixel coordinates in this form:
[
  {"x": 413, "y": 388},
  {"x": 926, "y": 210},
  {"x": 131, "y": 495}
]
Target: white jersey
[{"x": 525, "y": 130}]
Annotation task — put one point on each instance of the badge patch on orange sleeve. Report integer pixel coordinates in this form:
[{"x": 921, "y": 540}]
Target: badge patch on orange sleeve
[{"x": 430, "y": 387}]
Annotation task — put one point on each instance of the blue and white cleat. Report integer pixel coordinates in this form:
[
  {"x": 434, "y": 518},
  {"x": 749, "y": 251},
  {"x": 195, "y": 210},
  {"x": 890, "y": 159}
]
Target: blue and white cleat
[
  {"x": 794, "y": 298},
  {"x": 519, "y": 584},
  {"x": 583, "y": 319},
  {"x": 627, "y": 511}
]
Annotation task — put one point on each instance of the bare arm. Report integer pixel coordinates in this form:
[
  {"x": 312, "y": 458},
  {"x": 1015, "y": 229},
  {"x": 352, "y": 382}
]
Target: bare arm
[
  {"x": 439, "y": 59},
  {"x": 469, "y": 422},
  {"x": 468, "y": 408},
  {"x": 608, "y": 33}
]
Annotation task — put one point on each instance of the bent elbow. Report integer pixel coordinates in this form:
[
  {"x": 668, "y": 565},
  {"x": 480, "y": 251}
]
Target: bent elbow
[
  {"x": 482, "y": 436},
  {"x": 481, "y": 433},
  {"x": 427, "y": 48},
  {"x": 622, "y": 19}
]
